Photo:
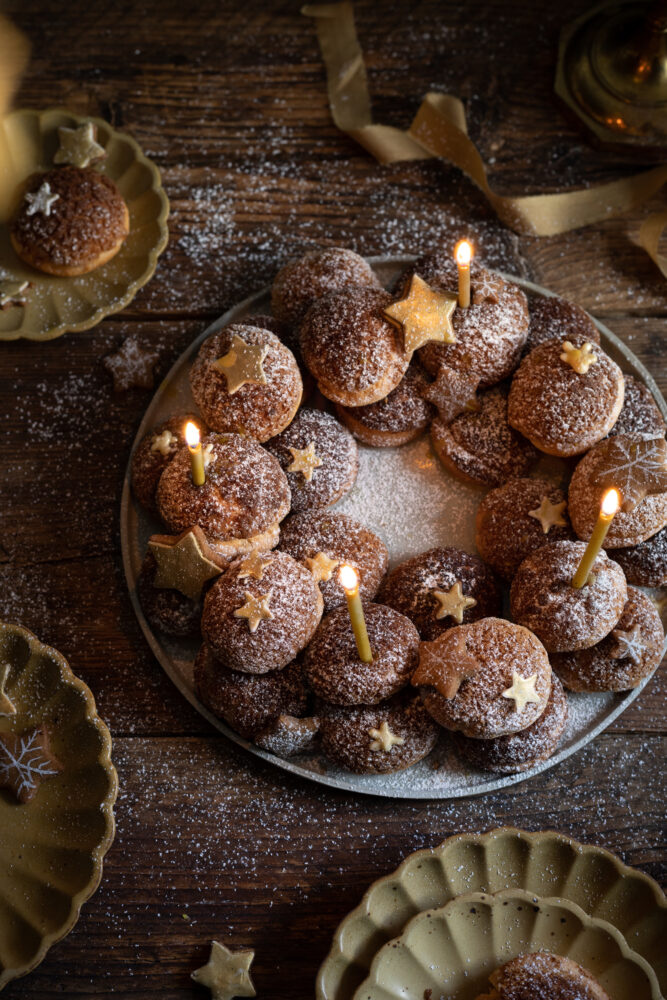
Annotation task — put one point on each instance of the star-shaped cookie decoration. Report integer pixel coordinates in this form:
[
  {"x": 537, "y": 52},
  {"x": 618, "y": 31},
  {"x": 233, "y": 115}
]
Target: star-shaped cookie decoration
[
  {"x": 453, "y": 602},
  {"x": 255, "y": 610},
  {"x": 424, "y": 314},
  {"x": 578, "y": 358},
  {"x": 305, "y": 461},
  {"x": 321, "y": 566},
  {"x": 550, "y": 515},
  {"x": 164, "y": 442},
  {"x": 227, "y": 973},
  {"x": 253, "y": 565},
  {"x": 6, "y": 704},
  {"x": 207, "y": 454},
  {"x": 637, "y": 469},
  {"x": 42, "y": 200},
  {"x": 383, "y": 738},
  {"x": 131, "y": 367},
  {"x": 79, "y": 146},
  {"x": 452, "y": 392},
  {"x": 628, "y": 645},
  {"x": 444, "y": 664},
  {"x": 522, "y": 691},
  {"x": 185, "y": 562},
  {"x": 12, "y": 293},
  {"x": 242, "y": 364},
  {"x": 25, "y": 761}
]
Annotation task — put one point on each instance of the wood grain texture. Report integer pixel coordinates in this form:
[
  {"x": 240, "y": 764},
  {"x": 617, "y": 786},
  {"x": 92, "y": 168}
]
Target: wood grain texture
[{"x": 230, "y": 101}]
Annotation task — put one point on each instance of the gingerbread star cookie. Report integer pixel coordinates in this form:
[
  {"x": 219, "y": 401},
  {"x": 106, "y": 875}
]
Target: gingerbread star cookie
[
  {"x": 25, "y": 761},
  {"x": 79, "y": 146},
  {"x": 453, "y": 602},
  {"x": 185, "y": 562},
  {"x": 424, "y": 315},
  {"x": 242, "y": 364},
  {"x": 446, "y": 672},
  {"x": 305, "y": 461},
  {"x": 550, "y": 515},
  {"x": 522, "y": 691},
  {"x": 637, "y": 469},
  {"x": 255, "y": 610},
  {"x": 452, "y": 392},
  {"x": 227, "y": 973},
  {"x": 6, "y": 704},
  {"x": 383, "y": 738},
  {"x": 628, "y": 645},
  {"x": 131, "y": 367}
]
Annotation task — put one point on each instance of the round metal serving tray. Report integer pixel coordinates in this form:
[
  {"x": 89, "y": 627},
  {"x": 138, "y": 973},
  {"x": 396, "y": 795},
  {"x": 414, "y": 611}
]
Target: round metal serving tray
[{"x": 421, "y": 484}]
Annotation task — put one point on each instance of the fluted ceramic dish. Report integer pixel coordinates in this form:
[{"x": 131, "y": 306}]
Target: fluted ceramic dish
[
  {"x": 51, "y": 848},
  {"x": 545, "y": 864},
  {"x": 424, "y": 506},
  {"x": 28, "y": 141},
  {"x": 452, "y": 951}
]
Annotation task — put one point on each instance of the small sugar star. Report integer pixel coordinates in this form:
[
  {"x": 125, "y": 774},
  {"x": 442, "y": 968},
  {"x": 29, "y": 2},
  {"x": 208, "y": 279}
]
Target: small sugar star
[
  {"x": 453, "y": 602},
  {"x": 78, "y": 146},
  {"x": 42, "y": 200},
  {"x": 629, "y": 645},
  {"x": 452, "y": 393},
  {"x": 242, "y": 363},
  {"x": 578, "y": 358},
  {"x": 253, "y": 565},
  {"x": 227, "y": 973},
  {"x": 445, "y": 664},
  {"x": 522, "y": 691},
  {"x": 384, "y": 739},
  {"x": 424, "y": 315},
  {"x": 164, "y": 442},
  {"x": 305, "y": 461},
  {"x": 131, "y": 367},
  {"x": 549, "y": 514},
  {"x": 184, "y": 562},
  {"x": 321, "y": 566},
  {"x": 6, "y": 704},
  {"x": 256, "y": 609},
  {"x": 207, "y": 454},
  {"x": 12, "y": 293}
]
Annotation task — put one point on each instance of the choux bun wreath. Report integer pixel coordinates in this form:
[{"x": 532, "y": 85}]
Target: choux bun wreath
[{"x": 280, "y": 661}]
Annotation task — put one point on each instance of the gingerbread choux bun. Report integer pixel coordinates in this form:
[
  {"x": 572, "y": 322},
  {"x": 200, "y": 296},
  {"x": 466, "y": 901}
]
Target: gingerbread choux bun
[
  {"x": 621, "y": 661},
  {"x": 71, "y": 220},
  {"x": 300, "y": 282},
  {"x": 353, "y": 351},
  {"x": 490, "y": 333},
  {"x": 638, "y": 470},
  {"x": 644, "y": 565},
  {"x": 562, "y": 616},
  {"x": 324, "y": 541},
  {"x": 166, "y": 608},
  {"x": 240, "y": 505},
  {"x": 640, "y": 414},
  {"x": 248, "y": 702},
  {"x": 377, "y": 739},
  {"x": 544, "y": 974},
  {"x": 154, "y": 453},
  {"x": 518, "y": 517},
  {"x": 261, "y": 612},
  {"x": 335, "y": 671},
  {"x": 485, "y": 680},
  {"x": 395, "y": 420},
  {"x": 554, "y": 318},
  {"x": 441, "y": 588},
  {"x": 318, "y": 456},
  {"x": 245, "y": 381},
  {"x": 479, "y": 446},
  {"x": 565, "y": 397}
]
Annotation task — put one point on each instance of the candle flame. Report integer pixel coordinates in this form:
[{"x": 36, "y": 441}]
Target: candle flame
[
  {"x": 348, "y": 577},
  {"x": 463, "y": 253},
  {"x": 191, "y": 434},
  {"x": 611, "y": 501}
]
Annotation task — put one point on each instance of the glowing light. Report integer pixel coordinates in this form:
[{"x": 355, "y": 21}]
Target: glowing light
[
  {"x": 611, "y": 501},
  {"x": 463, "y": 253},
  {"x": 191, "y": 434},
  {"x": 348, "y": 577}
]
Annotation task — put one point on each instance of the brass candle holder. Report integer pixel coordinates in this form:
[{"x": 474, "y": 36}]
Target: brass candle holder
[{"x": 612, "y": 73}]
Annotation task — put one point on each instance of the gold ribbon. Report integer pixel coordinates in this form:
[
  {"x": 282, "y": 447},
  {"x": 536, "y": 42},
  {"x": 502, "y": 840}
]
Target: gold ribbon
[
  {"x": 14, "y": 51},
  {"x": 439, "y": 129}
]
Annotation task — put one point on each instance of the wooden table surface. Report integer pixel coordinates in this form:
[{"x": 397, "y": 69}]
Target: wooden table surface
[{"x": 229, "y": 99}]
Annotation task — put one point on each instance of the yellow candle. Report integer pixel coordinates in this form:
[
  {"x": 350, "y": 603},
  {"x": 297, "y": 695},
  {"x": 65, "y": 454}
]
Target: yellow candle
[
  {"x": 463, "y": 254},
  {"x": 611, "y": 501},
  {"x": 349, "y": 581},
  {"x": 196, "y": 454}
]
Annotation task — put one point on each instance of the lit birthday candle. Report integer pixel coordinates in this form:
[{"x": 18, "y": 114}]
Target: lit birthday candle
[
  {"x": 349, "y": 581},
  {"x": 196, "y": 454},
  {"x": 463, "y": 254},
  {"x": 611, "y": 501}
]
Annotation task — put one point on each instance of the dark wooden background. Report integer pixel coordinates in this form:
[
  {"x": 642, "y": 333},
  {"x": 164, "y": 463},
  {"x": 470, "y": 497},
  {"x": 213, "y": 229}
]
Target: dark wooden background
[{"x": 229, "y": 99}]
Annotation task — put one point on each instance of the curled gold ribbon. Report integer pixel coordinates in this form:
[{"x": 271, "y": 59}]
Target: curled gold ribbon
[{"x": 439, "y": 129}]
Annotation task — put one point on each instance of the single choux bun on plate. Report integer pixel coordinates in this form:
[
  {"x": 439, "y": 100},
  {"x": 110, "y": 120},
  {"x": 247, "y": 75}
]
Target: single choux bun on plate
[
  {"x": 300, "y": 282},
  {"x": 395, "y": 420}
]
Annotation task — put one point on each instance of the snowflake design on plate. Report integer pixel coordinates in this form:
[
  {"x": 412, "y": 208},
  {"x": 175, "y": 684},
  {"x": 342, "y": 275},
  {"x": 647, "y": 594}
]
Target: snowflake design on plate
[{"x": 25, "y": 761}]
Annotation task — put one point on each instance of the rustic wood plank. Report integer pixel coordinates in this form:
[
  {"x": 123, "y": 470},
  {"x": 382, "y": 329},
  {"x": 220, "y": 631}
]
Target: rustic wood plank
[{"x": 270, "y": 862}]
